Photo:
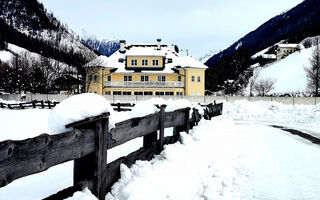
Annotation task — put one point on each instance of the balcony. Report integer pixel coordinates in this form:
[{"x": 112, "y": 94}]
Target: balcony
[{"x": 147, "y": 84}]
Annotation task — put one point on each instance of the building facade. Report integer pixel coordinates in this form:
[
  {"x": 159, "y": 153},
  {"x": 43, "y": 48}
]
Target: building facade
[
  {"x": 283, "y": 50},
  {"x": 146, "y": 70}
]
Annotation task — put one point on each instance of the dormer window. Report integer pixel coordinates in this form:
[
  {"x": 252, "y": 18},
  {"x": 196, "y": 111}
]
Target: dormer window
[
  {"x": 144, "y": 62},
  {"x": 134, "y": 62}
]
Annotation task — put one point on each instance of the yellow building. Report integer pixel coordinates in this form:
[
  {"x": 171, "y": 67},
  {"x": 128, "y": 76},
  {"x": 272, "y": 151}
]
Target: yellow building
[{"x": 146, "y": 70}]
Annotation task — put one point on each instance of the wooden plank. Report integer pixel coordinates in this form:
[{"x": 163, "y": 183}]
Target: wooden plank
[
  {"x": 133, "y": 128},
  {"x": 161, "y": 129},
  {"x": 30, "y": 156},
  {"x": 175, "y": 118},
  {"x": 68, "y": 192},
  {"x": 150, "y": 139},
  {"x": 100, "y": 170},
  {"x": 88, "y": 120}
]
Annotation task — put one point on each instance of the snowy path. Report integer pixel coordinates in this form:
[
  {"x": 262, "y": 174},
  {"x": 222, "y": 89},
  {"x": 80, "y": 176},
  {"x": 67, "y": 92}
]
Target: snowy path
[{"x": 223, "y": 160}]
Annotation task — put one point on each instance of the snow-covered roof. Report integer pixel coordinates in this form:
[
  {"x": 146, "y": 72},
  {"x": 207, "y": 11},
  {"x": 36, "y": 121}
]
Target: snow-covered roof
[
  {"x": 100, "y": 61},
  {"x": 269, "y": 56},
  {"x": 114, "y": 61},
  {"x": 288, "y": 45}
]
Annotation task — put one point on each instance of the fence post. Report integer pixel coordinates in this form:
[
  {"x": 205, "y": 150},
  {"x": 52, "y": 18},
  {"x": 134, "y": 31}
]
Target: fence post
[
  {"x": 49, "y": 105},
  {"x": 161, "y": 128},
  {"x": 34, "y": 103},
  {"x": 42, "y": 104},
  {"x": 1, "y": 105},
  {"x": 119, "y": 106},
  {"x": 94, "y": 166},
  {"x": 187, "y": 121}
]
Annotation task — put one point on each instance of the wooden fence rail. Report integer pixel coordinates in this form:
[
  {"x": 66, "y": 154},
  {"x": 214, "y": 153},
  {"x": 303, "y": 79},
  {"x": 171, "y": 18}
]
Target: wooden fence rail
[{"x": 87, "y": 145}]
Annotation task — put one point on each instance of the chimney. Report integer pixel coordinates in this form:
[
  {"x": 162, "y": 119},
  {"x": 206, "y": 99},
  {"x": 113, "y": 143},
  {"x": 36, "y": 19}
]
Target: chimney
[
  {"x": 159, "y": 44},
  {"x": 122, "y": 44}
]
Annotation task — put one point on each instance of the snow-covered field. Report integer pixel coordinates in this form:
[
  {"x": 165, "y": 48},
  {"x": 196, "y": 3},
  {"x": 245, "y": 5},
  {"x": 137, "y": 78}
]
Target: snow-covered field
[
  {"x": 233, "y": 156},
  {"x": 289, "y": 73}
]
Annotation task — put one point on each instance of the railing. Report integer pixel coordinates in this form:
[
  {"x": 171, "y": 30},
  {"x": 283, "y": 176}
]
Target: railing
[
  {"x": 144, "y": 84},
  {"x": 87, "y": 145}
]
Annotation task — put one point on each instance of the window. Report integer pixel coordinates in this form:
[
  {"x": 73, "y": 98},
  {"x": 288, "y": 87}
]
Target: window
[
  {"x": 134, "y": 62},
  {"x": 109, "y": 78},
  {"x": 192, "y": 78},
  {"x": 161, "y": 78},
  {"x": 107, "y": 92},
  {"x": 179, "y": 93},
  {"x": 116, "y": 92},
  {"x": 144, "y": 78},
  {"x": 169, "y": 93},
  {"x": 95, "y": 78},
  {"x": 126, "y": 93},
  {"x": 138, "y": 93},
  {"x": 127, "y": 78},
  {"x": 199, "y": 79},
  {"x": 144, "y": 62},
  {"x": 147, "y": 93},
  {"x": 179, "y": 78},
  {"x": 160, "y": 93},
  {"x": 155, "y": 62}
]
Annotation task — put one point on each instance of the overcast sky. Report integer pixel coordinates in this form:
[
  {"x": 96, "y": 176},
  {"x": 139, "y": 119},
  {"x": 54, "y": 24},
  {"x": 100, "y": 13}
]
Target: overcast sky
[{"x": 199, "y": 26}]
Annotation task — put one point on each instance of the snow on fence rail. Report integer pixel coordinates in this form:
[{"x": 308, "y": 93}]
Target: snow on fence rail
[{"x": 87, "y": 145}]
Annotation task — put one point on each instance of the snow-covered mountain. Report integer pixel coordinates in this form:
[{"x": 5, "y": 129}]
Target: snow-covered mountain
[
  {"x": 289, "y": 73},
  {"x": 26, "y": 23}
]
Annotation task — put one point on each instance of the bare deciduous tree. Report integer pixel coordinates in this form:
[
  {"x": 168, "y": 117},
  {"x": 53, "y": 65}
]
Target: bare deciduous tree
[
  {"x": 263, "y": 86},
  {"x": 252, "y": 82},
  {"x": 313, "y": 73}
]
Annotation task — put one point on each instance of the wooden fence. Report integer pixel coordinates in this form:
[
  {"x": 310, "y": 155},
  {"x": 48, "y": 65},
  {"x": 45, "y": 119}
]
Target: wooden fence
[
  {"x": 87, "y": 145},
  {"x": 26, "y": 105}
]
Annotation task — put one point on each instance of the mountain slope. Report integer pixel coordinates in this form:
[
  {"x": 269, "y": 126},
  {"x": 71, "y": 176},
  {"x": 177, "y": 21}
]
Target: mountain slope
[
  {"x": 27, "y": 24},
  {"x": 298, "y": 23}
]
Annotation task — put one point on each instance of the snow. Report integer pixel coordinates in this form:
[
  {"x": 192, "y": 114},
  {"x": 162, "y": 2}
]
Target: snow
[
  {"x": 5, "y": 56},
  {"x": 147, "y": 50},
  {"x": 234, "y": 161},
  {"x": 269, "y": 56},
  {"x": 288, "y": 45},
  {"x": 76, "y": 108},
  {"x": 144, "y": 108},
  {"x": 83, "y": 195},
  {"x": 234, "y": 156},
  {"x": 238, "y": 45},
  {"x": 289, "y": 72}
]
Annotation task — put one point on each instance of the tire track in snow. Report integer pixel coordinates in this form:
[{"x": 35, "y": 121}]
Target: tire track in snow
[{"x": 304, "y": 135}]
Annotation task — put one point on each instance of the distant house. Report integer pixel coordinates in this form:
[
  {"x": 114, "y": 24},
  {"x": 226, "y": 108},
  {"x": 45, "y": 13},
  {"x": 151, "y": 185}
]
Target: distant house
[
  {"x": 283, "y": 50},
  {"x": 154, "y": 69}
]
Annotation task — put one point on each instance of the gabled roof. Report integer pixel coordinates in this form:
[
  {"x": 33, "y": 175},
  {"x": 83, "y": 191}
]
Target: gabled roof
[
  {"x": 288, "y": 45},
  {"x": 116, "y": 60}
]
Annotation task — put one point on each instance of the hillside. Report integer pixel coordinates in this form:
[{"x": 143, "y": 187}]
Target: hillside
[
  {"x": 26, "y": 23},
  {"x": 292, "y": 26}
]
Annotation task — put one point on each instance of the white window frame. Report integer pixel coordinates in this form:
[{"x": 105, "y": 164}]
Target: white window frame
[
  {"x": 134, "y": 62},
  {"x": 155, "y": 62},
  {"x": 127, "y": 78},
  {"x": 161, "y": 78},
  {"x": 144, "y": 62},
  {"x": 144, "y": 78},
  {"x": 199, "y": 79},
  {"x": 192, "y": 78}
]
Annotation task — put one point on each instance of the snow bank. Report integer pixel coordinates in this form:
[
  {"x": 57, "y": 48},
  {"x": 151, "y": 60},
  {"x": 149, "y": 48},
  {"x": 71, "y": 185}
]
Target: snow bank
[
  {"x": 144, "y": 108},
  {"x": 76, "y": 108},
  {"x": 83, "y": 195},
  {"x": 273, "y": 112}
]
